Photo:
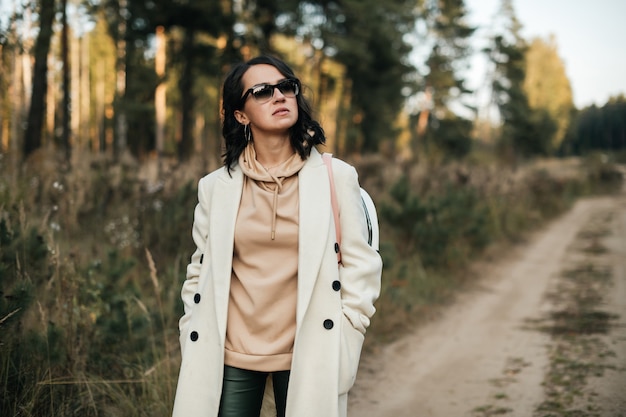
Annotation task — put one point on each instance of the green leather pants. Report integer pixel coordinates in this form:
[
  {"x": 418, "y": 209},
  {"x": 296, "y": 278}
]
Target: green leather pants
[{"x": 242, "y": 392}]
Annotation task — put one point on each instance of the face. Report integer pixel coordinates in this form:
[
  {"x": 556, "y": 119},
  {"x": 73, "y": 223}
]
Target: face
[{"x": 274, "y": 116}]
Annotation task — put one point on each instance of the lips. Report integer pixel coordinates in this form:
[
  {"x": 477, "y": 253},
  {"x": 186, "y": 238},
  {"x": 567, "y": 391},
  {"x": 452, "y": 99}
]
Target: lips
[{"x": 280, "y": 111}]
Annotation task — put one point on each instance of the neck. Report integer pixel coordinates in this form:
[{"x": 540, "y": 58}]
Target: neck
[{"x": 272, "y": 151}]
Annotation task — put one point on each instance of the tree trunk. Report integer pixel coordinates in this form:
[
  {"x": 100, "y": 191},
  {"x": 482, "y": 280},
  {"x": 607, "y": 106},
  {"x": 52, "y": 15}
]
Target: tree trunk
[
  {"x": 65, "y": 54},
  {"x": 121, "y": 127},
  {"x": 51, "y": 102},
  {"x": 32, "y": 137},
  {"x": 16, "y": 91},
  {"x": 187, "y": 97},
  {"x": 98, "y": 142},
  {"x": 344, "y": 121},
  {"x": 76, "y": 99},
  {"x": 159, "y": 94},
  {"x": 3, "y": 144},
  {"x": 85, "y": 92}
]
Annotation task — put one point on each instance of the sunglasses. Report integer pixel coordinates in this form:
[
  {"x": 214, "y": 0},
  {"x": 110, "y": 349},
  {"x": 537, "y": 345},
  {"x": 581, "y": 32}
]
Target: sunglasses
[{"x": 264, "y": 92}]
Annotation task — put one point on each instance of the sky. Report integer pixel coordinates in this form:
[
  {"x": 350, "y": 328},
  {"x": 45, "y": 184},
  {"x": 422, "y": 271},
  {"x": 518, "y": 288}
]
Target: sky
[{"x": 590, "y": 38}]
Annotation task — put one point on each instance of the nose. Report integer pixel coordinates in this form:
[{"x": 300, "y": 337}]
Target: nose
[{"x": 278, "y": 95}]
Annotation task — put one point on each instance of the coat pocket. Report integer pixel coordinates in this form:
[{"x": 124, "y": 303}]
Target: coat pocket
[{"x": 350, "y": 347}]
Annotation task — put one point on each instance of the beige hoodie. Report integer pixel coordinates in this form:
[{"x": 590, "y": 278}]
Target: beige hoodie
[{"x": 262, "y": 305}]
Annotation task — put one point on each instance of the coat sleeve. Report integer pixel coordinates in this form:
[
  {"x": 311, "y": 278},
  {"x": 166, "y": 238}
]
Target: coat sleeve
[
  {"x": 361, "y": 269},
  {"x": 200, "y": 231}
]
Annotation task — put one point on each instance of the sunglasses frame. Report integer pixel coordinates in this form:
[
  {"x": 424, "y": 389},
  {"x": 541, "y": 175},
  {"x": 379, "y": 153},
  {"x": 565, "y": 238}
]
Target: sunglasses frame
[{"x": 272, "y": 87}]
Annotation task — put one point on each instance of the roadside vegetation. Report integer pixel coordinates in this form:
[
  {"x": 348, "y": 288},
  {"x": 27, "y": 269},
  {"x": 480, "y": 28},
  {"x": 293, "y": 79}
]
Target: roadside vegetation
[
  {"x": 435, "y": 226},
  {"x": 92, "y": 262}
]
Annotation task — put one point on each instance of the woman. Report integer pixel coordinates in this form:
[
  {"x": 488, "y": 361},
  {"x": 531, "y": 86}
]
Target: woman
[{"x": 264, "y": 294}]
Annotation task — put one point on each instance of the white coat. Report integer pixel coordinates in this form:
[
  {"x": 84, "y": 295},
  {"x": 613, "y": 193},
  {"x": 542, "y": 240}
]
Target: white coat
[{"x": 334, "y": 304}]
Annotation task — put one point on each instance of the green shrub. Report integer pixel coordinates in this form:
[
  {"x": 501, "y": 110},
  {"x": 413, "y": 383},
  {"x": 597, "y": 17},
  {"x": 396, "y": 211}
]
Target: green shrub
[
  {"x": 444, "y": 229},
  {"x": 433, "y": 229},
  {"x": 165, "y": 221},
  {"x": 24, "y": 269},
  {"x": 85, "y": 328}
]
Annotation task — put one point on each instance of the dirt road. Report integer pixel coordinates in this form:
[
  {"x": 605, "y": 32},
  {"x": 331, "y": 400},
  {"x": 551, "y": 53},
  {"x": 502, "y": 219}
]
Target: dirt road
[{"x": 500, "y": 349}]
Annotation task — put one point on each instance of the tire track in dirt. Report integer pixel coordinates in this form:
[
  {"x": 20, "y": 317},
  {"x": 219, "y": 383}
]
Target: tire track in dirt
[
  {"x": 609, "y": 389},
  {"x": 481, "y": 350}
]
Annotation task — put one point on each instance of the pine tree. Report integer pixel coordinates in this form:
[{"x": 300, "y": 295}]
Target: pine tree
[
  {"x": 368, "y": 38},
  {"x": 598, "y": 128},
  {"x": 525, "y": 131},
  {"x": 193, "y": 30},
  {"x": 450, "y": 34}
]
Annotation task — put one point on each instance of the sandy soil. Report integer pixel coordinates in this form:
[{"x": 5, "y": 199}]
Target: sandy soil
[{"x": 480, "y": 357}]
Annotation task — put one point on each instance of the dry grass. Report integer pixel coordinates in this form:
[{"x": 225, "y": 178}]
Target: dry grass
[{"x": 93, "y": 260}]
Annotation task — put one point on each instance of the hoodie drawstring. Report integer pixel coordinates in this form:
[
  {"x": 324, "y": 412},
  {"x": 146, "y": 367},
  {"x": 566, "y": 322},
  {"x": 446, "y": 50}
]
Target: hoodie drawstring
[
  {"x": 265, "y": 179},
  {"x": 277, "y": 188}
]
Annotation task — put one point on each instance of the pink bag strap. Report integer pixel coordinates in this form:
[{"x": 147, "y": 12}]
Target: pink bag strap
[{"x": 328, "y": 160}]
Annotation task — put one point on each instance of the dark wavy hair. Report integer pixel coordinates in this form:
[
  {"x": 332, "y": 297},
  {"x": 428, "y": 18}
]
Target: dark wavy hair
[{"x": 304, "y": 134}]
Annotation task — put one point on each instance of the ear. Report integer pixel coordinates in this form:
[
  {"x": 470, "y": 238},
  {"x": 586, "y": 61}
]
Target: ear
[{"x": 241, "y": 117}]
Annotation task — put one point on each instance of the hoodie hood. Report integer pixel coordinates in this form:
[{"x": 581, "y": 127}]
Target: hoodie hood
[{"x": 271, "y": 181}]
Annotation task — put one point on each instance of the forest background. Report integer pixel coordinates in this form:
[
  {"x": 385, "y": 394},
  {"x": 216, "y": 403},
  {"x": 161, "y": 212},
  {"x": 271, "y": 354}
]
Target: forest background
[{"x": 109, "y": 115}]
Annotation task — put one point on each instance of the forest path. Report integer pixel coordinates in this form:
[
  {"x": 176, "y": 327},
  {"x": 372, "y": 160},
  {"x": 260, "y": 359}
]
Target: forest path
[{"x": 483, "y": 356}]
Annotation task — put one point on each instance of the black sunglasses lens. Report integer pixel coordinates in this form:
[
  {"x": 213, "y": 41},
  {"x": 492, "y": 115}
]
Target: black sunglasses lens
[
  {"x": 288, "y": 88},
  {"x": 263, "y": 93}
]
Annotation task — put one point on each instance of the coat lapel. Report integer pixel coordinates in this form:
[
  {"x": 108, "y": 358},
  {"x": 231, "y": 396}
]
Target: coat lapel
[
  {"x": 224, "y": 208},
  {"x": 314, "y": 212},
  {"x": 314, "y": 218}
]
